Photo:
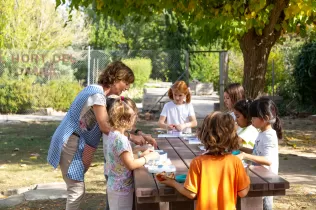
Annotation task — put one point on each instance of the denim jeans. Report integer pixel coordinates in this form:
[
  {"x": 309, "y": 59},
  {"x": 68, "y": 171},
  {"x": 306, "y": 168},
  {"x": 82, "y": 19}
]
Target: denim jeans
[{"x": 268, "y": 203}]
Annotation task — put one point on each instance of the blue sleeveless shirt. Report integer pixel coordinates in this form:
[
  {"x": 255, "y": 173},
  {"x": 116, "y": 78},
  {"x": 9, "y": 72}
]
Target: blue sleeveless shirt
[{"x": 69, "y": 125}]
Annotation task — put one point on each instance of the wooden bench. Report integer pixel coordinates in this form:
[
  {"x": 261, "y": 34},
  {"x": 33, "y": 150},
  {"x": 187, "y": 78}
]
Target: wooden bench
[{"x": 149, "y": 192}]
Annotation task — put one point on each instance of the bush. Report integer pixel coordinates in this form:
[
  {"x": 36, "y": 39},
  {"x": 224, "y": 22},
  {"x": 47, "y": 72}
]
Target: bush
[
  {"x": 17, "y": 95},
  {"x": 142, "y": 69},
  {"x": 57, "y": 94},
  {"x": 205, "y": 68},
  {"x": 305, "y": 73}
]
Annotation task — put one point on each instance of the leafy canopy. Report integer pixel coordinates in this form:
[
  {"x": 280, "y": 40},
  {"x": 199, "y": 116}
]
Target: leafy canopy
[{"x": 227, "y": 19}]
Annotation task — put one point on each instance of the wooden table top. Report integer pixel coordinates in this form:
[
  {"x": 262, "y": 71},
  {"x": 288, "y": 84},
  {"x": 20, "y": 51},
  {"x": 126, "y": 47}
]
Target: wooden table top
[{"x": 180, "y": 152}]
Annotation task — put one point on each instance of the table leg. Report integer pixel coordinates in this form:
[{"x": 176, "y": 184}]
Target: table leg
[
  {"x": 249, "y": 203},
  {"x": 142, "y": 206},
  {"x": 181, "y": 205}
]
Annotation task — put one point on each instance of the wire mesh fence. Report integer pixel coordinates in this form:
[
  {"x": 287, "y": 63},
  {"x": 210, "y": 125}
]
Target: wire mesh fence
[{"x": 35, "y": 79}]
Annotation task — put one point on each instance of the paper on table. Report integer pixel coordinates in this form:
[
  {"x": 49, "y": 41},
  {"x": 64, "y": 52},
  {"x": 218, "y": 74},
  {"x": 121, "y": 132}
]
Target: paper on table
[
  {"x": 194, "y": 140},
  {"x": 202, "y": 148},
  {"x": 168, "y": 135}
]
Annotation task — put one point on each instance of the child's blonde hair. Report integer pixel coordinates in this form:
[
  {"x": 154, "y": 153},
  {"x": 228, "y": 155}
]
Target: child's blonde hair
[
  {"x": 182, "y": 87},
  {"x": 119, "y": 112},
  {"x": 218, "y": 134},
  {"x": 236, "y": 92}
]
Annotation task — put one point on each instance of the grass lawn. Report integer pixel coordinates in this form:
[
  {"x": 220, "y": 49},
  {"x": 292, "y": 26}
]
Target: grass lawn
[{"x": 23, "y": 152}]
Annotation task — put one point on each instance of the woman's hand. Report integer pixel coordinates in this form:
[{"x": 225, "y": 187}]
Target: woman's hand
[
  {"x": 139, "y": 140},
  {"x": 150, "y": 140}
]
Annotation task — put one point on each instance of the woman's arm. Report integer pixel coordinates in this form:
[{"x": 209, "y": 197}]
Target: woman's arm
[{"x": 102, "y": 118}]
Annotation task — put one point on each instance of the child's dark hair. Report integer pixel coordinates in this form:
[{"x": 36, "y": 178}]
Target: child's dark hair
[
  {"x": 235, "y": 91},
  {"x": 118, "y": 110},
  {"x": 242, "y": 106},
  {"x": 182, "y": 87},
  {"x": 266, "y": 109},
  {"x": 218, "y": 134}
]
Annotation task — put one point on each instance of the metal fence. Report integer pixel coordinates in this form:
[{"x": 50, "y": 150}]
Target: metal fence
[{"x": 38, "y": 68}]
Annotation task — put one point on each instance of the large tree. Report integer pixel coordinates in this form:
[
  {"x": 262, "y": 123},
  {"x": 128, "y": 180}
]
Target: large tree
[{"x": 255, "y": 24}]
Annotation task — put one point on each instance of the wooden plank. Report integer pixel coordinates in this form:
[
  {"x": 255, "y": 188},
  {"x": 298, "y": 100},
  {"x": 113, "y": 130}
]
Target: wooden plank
[
  {"x": 256, "y": 183},
  {"x": 265, "y": 193},
  {"x": 168, "y": 193},
  {"x": 192, "y": 147},
  {"x": 275, "y": 182},
  {"x": 145, "y": 185}
]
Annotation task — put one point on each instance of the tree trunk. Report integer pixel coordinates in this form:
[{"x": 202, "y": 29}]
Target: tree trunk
[
  {"x": 255, "y": 54},
  {"x": 256, "y": 49}
]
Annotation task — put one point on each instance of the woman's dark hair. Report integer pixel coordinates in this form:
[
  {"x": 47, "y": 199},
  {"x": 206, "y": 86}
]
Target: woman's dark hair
[
  {"x": 114, "y": 72},
  {"x": 235, "y": 91},
  {"x": 242, "y": 106},
  {"x": 266, "y": 109},
  {"x": 218, "y": 134}
]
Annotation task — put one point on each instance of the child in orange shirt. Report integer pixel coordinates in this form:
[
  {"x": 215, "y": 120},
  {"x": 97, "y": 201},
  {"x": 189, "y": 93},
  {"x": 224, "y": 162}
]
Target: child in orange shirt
[{"x": 217, "y": 176}]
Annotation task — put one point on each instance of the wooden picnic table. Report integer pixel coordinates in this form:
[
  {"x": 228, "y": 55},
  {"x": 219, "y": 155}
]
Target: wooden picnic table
[{"x": 149, "y": 192}]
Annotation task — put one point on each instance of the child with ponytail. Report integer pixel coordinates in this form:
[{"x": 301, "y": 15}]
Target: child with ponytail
[{"x": 265, "y": 117}]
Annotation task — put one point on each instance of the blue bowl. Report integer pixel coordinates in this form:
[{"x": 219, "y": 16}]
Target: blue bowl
[
  {"x": 236, "y": 152},
  {"x": 181, "y": 178}
]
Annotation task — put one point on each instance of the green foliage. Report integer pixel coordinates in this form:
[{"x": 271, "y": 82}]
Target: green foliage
[
  {"x": 22, "y": 94},
  {"x": 57, "y": 94},
  {"x": 229, "y": 19},
  {"x": 235, "y": 66},
  {"x": 305, "y": 73},
  {"x": 142, "y": 69},
  {"x": 255, "y": 24},
  {"x": 36, "y": 24},
  {"x": 281, "y": 75},
  {"x": 105, "y": 34},
  {"x": 205, "y": 68},
  {"x": 15, "y": 94}
]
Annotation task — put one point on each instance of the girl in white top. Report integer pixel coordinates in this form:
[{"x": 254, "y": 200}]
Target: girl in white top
[
  {"x": 264, "y": 115},
  {"x": 247, "y": 133},
  {"x": 179, "y": 112},
  {"x": 233, "y": 93}
]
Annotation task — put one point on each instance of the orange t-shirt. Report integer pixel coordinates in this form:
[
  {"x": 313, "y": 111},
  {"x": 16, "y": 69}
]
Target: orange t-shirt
[{"x": 216, "y": 181}]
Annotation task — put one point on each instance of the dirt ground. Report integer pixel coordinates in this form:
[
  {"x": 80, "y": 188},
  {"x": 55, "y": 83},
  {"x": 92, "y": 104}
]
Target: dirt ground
[
  {"x": 297, "y": 155},
  {"x": 297, "y": 165}
]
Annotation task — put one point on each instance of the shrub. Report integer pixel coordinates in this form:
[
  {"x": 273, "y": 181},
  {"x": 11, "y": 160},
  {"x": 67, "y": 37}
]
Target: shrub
[
  {"x": 57, "y": 94},
  {"x": 142, "y": 69},
  {"x": 205, "y": 68},
  {"x": 17, "y": 95},
  {"x": 305, "y": 73}
]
